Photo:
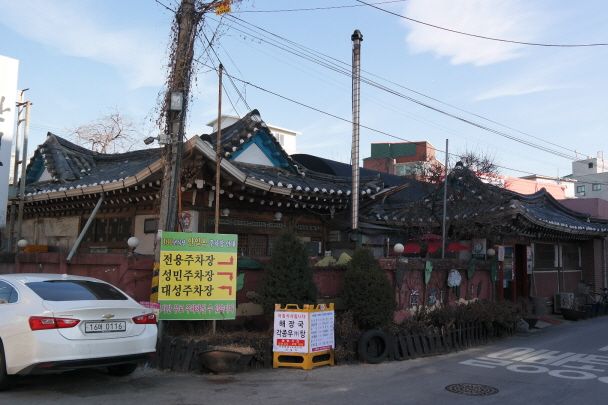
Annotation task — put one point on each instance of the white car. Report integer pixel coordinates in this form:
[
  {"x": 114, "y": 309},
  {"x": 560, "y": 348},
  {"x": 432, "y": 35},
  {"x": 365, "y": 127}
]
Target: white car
[{"x": 57, "y": 322}]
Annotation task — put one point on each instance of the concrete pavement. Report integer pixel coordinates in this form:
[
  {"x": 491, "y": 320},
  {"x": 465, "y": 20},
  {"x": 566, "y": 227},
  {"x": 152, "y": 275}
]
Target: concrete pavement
[{"x": 564, "y": 364}]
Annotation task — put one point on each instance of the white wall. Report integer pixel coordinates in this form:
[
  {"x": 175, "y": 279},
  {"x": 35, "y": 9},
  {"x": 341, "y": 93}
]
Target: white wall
[
  {"x": 581, "y": 167},
  {"x": 601, "y": 183},
  {"x": 59, "y": 232},
  {"x": 146, "y": 240}
]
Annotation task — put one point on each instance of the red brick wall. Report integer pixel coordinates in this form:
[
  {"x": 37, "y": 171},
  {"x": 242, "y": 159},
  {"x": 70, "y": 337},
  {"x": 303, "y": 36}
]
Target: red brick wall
[{"x": 132, "y": 274}]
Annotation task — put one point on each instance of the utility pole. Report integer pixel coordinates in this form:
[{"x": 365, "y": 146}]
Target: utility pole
[
  {"x": 26, "y": 129},
  {"x": 11, "y": 221},
  {"x": 445, "y": 199},
  {"x": 184, "y": 33},
  {"x": 187, "y": 19},
  {"x": 218, "y": 154},
  {"x": 218, "y": 165},
  {"x": 354, "y": 158},
  {"x": 185, "y": 28}
]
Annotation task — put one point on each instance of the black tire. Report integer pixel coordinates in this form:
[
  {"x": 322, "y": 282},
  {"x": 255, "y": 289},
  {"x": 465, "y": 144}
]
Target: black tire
[
  {"x": 121, "y": 370},
  {"x": 3, "y": 376},
  {"x": 373, "y": 347}
]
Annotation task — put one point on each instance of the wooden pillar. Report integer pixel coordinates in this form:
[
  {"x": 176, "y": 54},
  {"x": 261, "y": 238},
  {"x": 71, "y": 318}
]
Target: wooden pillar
[{"x": 500, "y": 289}]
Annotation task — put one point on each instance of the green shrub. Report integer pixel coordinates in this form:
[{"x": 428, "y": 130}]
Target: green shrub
[
  {"x": 289, "y": 278},
  {"x": 367, "y": 291}
]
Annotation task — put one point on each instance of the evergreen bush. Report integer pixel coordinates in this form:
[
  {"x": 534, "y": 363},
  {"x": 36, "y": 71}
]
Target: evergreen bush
[
  {"x": 289, "y": 278},
  {"x": 367, "y": 293}
]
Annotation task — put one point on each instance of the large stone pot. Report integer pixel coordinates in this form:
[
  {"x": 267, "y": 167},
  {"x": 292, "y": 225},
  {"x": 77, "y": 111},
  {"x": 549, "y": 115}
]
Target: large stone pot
[{"x": 226, "y": 360}]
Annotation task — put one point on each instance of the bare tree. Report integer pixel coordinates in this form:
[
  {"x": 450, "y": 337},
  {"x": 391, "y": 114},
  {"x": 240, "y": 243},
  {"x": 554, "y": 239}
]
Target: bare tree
[
  {"x": 429, "y": 172},
  {"x": 112, "y": 133},
  {"x": 481, "y": 164}
]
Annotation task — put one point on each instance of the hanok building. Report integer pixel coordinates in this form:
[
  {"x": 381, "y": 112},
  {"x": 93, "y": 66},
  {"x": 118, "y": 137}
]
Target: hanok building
[
  {"x": 544, "y": 247},
  {"x": 263, "y": 190}
]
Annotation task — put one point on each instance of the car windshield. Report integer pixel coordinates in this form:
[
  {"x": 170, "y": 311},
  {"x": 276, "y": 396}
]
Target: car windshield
[{"x": 75, "y": 290}]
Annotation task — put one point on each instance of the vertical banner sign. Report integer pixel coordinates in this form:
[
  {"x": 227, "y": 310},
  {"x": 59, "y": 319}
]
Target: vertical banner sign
[
  {"x": 197, "y": 278},
  {"x": 8, "y": 94}
]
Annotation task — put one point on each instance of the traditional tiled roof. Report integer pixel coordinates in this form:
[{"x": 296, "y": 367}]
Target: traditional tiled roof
[
  {"x": 412, "y": 189},
  {"x": 237, "y": 136},
  {"x": 470, "y": 201},
  {"x": 73, "y": 167}
]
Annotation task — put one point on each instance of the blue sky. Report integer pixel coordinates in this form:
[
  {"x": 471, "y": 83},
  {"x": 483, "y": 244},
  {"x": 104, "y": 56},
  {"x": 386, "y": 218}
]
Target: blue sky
[{"x": 82, "y": 59}]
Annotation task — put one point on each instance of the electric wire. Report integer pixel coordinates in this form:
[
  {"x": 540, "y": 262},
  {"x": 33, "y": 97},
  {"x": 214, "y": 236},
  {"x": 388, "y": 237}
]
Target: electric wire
[
  {"x": 481, "y": 36},
  {"x": 316, "y": 8},
  {"x": 210, "y": 45},
  {"x": 379, "y": 86},
  {"x": 366, "y": 127},
  {"x": 319, "y": 110},
  {"x": 347, "y": 65}
]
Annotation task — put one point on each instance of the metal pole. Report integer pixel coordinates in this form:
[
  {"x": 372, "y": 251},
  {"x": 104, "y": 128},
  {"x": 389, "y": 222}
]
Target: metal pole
[
  {"x": 11, "y": 220},
  {"x": 218, "y": 161},
  {"x": 87, "y": 225},
  {"x": 28, "y": 104},
  {"x": 357, "y": 37},
  {"x": 445, "y": 198},
  {"x": 218, "y": 151}
]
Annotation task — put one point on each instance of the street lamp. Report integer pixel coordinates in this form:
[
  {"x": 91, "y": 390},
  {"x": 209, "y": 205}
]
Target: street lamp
[
  {"x": 133, "y": 242},
  {"x": 22, "y": 243}
]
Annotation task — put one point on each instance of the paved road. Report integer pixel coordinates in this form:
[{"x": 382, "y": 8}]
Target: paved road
[{"x": 565, "y": 364}]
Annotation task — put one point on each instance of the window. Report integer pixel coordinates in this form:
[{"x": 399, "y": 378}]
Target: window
[
  {"x": 580, "y": 189},
  {"x": 150, "y": 225},
  {"x": 544, "y": 256},
  {"x": 590, "y": 165},
  {"x": 596, "y": 187},
  {"x": 571, "y": 255},
  {"x": 257, "y": 245},
  {"x": 108, "y": 230},
  {"x": 8, "y": 294},
  {"x": 75, "y": 290}
]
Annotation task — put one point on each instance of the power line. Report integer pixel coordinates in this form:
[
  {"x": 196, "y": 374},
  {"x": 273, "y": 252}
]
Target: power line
[
  {"x": 316, "y": 109},
  {"x": 315, "y": 8},
  {"x": 347, "y": 65},
  {"x": 347, "y": 70},
  {"x": 229, "y": 77},
  {"x": 319, "y": 110},
  {"x": 480, "y": 36},
  {"x": 223, "y": 85},
  {"x": 316, "y": 59},
  {"x": 165, "y": 6}
]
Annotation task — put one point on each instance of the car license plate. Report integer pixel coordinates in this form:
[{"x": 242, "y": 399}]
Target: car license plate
[{"x": 105, "y": 327}]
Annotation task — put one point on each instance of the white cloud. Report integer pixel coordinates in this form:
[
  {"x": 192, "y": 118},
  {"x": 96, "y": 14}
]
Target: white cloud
[
  {"x": 509, "y": 19},
  {"x": 516, "y": 89},
  {"x": 73, "y": 30}
]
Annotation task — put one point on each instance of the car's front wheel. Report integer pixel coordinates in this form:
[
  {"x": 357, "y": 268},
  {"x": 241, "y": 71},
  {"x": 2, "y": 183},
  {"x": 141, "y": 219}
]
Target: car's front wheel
[
  {"x": 3, "y": 375},
  {"x": 120, "y": 370}
]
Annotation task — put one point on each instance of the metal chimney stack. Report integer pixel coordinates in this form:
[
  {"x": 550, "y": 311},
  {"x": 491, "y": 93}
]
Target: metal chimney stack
[{"x": 354, "y": 158}]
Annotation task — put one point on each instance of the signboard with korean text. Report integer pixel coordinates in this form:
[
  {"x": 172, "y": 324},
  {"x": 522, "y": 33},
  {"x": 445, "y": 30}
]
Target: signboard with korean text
[
  {"x": 197, "y": 277},
  {"x": 8, "y": 96},
  {"x": 290, "y": 332},
  {"x": 307, "y": 330},
  {"x": 321, "y": 331}
]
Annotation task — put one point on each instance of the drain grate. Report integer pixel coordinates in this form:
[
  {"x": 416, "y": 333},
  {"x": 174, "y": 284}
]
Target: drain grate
[{"x": 477, "y": 390}]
